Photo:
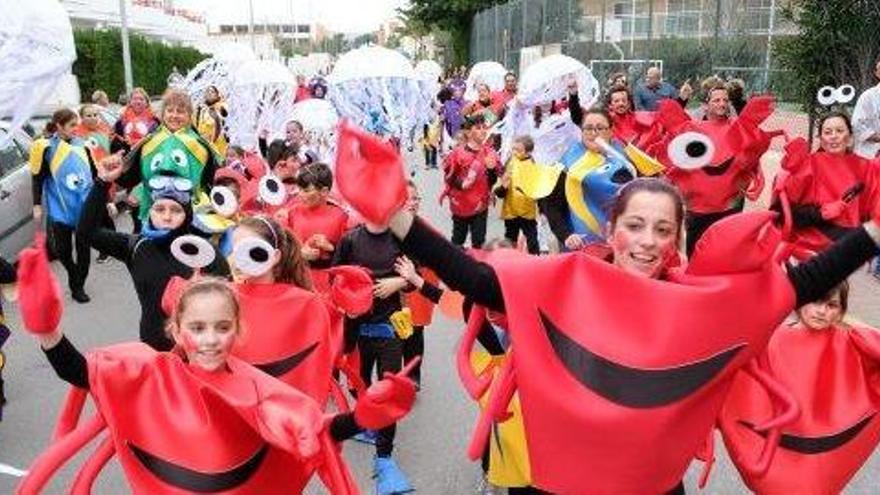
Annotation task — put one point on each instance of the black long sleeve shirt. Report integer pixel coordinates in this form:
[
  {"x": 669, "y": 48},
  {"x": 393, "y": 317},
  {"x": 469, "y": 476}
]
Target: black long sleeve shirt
[
  {"x": 71, "y": 366},
  {"x": 811, "y": 280}
]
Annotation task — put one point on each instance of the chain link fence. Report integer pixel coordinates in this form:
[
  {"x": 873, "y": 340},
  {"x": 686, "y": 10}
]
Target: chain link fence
[{"x": 690, "y": 39}]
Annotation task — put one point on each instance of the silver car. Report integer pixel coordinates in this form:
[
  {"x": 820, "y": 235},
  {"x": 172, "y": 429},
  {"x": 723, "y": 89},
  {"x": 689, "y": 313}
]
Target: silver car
[{"x": 16, "y": 201}]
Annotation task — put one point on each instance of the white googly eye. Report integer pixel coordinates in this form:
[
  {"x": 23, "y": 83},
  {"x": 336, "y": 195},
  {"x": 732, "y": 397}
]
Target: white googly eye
[
  {"x": 224, "y": 201},
  {"x": 156, "y": 162},
  {"x": 826, "y": 96},
  {"x": 192, "y": 251},
  {"x": 91, "y": 143},
  {"x": 691, "y": 150},
  {"x": 72, "y": 181},
  {"x": 844, "y": 94},
  {"x": 272, "y": 191},
  {"x": 253, "y": 256},
  {"x": 179, "y": 158}
]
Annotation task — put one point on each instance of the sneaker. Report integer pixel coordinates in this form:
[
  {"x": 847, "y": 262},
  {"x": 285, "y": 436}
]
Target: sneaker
[
  {"x": 366, "y": 436},
  {"x": 80, "y": 296},
  {"x": 390, "y": 480}
]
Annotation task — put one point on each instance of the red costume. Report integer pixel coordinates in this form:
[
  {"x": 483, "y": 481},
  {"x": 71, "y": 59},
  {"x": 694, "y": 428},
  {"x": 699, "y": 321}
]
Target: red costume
[
  {"x": 135, "y": 126},
  {"x": 467, "y": 180},
  {"x": 601, "y": 385},
  {"x": 629, "y": 127},
  {"x": 835, "y": 376}
]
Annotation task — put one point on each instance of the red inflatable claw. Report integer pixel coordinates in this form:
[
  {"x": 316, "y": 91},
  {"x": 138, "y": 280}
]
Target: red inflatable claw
[
  {"x": 369, "y": 172},
  {"x": 388, "y": 400},
  {"x": 351, "y": 289},
  {"x": 38, "y": 290}
]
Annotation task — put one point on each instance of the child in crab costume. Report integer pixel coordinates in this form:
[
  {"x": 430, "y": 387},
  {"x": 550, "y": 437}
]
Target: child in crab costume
[
  {"x": 714, "y": 162},
  {"x": 831, "y": 368},
  {"x": 614, "y": 401},
  {"x": 831, "y": 190},
  {"x": 195, "y": 419}
]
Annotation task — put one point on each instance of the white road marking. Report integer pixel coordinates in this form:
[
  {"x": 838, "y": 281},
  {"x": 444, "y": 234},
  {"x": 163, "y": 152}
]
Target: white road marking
[{"x": 7, "y": 469}]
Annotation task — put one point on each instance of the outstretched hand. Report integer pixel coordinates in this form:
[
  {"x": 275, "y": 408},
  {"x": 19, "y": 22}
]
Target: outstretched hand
[
  {"x": 388, "y": 400},
  {"x": 39, "y": 295}
]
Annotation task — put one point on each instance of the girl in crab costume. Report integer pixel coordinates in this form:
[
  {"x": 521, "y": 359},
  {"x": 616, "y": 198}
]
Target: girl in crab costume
[
  {"x": 601, "y": 385},
  {"x": 174, "y": 149},
  {"x": 714, "y": 162},
  {"x": 832, "y": 190},
  {"x": 62, "y": 177},
  {"x": 832, "y": 369},
  {"x": 135, "y": 122},
  {"x": 148, "y": 255},
  {"x": 195, "y": 419}
]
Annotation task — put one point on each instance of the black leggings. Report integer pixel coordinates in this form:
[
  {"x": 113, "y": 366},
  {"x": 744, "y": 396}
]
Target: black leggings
[
  {"x": 476, "y": 224},
  {"x": 415, "y": 346},
  {"x": 529, "y": 228},
  {"x": 61, "y": 244},
  {"x": 386, "y": 355}
]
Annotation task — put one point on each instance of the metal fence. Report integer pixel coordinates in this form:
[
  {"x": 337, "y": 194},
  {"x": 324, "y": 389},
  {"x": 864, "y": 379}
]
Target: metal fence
[{"x": 692, "y": 39}]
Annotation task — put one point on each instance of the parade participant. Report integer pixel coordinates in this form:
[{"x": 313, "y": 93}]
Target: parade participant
[
  {"x": 62, "y": 177},
  {"x": 866, "y": 120},
  {"x": 432, "y": 134},
  {"x": 483, "y": 105},
  {"x": 832, "y": 189},
  {"x": 318, "y": 87},
  {"x": 221, "y": 408},
  {"x": 501, "y": 98},
  {"x": 174, "y": 149},
  {"x": 302, "y": 89},
  {"x": 94, "y": 134},
  {"x": 135, "y": 122},
  {"x": 716, "y": 162},
  {"x": 628, "y": 125},
  {"x": 452, "y": 113},
  {"x": 831, "y": 368},
  {"x": 519, "y": 211},
  {"x": 148, "y": 255},
  {"x": 7, "y": 278},
  {"x": 469, "y": 172},
  {"x": 100, "y": 98},
  {"x": 210, "y": 117},
  {"x": 372, "y": 246},
  {"x": 649, "y": 93}
]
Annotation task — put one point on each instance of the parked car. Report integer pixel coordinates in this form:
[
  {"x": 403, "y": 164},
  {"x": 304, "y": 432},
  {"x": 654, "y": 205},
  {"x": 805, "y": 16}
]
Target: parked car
[{"x": 16, "y": 201}]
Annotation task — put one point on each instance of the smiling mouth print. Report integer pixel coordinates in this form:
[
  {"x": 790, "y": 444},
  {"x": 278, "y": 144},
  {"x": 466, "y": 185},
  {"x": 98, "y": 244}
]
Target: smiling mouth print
[
  {"x": 720, "y": 169},
  {"x": 284, "y": 365},
  {"x": 634, "y": 387},
  {"x": 816, "y": 445},
  {"x": 198, "y": 481}
]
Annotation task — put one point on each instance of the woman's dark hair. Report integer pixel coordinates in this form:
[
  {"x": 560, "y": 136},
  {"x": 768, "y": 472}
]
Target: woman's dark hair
[
  {"x": 315, "y": 174},
  {"x": 444, "y": 95},
  {"x": 597, "y": 110},
  {"x": 60, "y": 118},
  {"x": 279, "y": 150},
  {"x": 292, "y": 268},
  {"x": 646, "y": 184},
  {"x": 472, "y": 121},
  {"x": 832, "y": 114}
]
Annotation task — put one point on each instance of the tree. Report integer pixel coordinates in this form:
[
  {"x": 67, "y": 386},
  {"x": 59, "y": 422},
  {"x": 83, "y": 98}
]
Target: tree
[
  {"x": 452, "y": 16},
  {"x": 838, "y": 42}
]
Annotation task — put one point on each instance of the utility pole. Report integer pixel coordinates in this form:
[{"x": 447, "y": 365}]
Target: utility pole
[
  {"x": 126, "y": 51},
  {"x": 251, "y": 25}
]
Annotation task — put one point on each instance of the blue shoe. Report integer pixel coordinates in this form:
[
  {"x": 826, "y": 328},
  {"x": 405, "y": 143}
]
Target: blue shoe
[
  {"x": 390, "y": 480},
  {"x": 366, "y": 436}
]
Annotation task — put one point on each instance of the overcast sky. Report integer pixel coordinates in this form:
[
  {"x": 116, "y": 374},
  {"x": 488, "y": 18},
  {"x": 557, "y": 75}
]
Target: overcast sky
[{"x": 338, "y": 15}]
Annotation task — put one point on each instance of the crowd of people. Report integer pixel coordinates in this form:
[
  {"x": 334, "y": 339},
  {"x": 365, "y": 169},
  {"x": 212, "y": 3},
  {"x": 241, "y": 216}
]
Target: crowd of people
[{"x": 658, "y": 310}]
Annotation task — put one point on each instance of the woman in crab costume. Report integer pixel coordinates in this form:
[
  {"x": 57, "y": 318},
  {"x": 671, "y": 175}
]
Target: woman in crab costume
[
  {"x": 149, "y": 255},
  {"x": 714, "y": 162},
  {"x": 831, "y": 368},
  {"x": 174, "y": 149},
  {"x": 832, "y": 189},
  {"x": 93, "y": 132},
  {"x": 601, "y": 384},
  {"x": 195, "y": 419},
  {"x": 135, "y": 122},
  {"x": 296, "y": 334}
]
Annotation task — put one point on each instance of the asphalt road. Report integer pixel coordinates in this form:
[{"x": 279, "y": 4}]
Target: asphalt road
[{"x": 431, "y": 442}]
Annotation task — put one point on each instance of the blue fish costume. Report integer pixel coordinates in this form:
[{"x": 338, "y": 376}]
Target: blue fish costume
[{"x": 69, "y": 181}]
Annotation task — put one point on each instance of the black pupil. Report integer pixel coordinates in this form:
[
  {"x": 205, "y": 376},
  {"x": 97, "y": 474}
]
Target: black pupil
[
  {"x": 272, "y": 186},
  {"x": 259, "y": 255},
  {"x": 847, "y": 91},
  {"x": 695, "y": 149},
  {"x": 826, "y": 93},
  {"x": 189, "y": 249},
  {"x": 219, "y": 199}
]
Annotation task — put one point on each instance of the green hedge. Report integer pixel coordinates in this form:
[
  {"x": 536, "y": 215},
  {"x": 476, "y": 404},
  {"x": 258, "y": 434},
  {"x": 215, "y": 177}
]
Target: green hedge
[{"x": 99, "y": 62}]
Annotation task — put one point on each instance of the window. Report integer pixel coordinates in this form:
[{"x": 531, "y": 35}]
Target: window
[{"x": 11, "y": 158}]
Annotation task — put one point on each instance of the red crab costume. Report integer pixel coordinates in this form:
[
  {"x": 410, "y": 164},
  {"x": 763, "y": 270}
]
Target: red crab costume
[
  {"x": 631, "y": 126},
  {"x": 843, "y": 187},
  {"x": 833, "y": 374},
  {"x": 601, "y": 386},
  {"x": 714, "y": 163}
]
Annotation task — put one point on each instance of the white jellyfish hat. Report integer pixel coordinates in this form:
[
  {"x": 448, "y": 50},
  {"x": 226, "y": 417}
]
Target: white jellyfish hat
[
  {"x": 216, "y": 71},
  {"x": 36, "y": 52},
  {"x": 488, "y": 72},
  {"x": 261, "y": 97},
  {"x": 318, "y": 118}
]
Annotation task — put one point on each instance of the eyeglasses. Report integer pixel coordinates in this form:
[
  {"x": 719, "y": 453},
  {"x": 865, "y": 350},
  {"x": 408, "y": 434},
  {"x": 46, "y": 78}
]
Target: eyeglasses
[
  {"x": 598, "y": 128},
  {"x": 164, "y": 181}
]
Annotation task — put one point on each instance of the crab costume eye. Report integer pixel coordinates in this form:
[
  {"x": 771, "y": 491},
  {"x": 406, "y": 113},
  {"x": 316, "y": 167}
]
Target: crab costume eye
[
  {"x": 72, "y": 181},
  {"x": 826, "y": 96},
  {"x": 272, "y": 191},
  {"x": 224, "y": 201},
  {"x": 156, "y": 162},
  {"x": 192, "y": 251},
  {"x": 179, "y": 158},
  {"x": 691, "y": 150},
  {"x": 844, "y": 94},
  {"x": 253, "y": 256}
]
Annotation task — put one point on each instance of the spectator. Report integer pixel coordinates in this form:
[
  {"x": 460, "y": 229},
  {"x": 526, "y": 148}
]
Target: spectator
[
  {"x": 100, "y": 97},
  {"x": 866, "y": 120},
  {"x": 654, "y": 89}
]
